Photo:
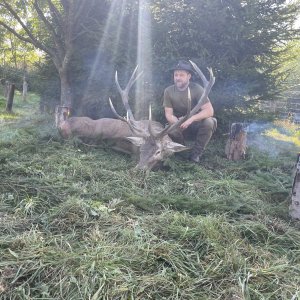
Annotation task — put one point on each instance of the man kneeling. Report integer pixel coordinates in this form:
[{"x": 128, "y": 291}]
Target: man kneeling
[{"x": 198, "y": 127}]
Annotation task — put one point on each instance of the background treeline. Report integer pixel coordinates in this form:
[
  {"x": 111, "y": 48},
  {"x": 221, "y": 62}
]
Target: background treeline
[{"x": 245, "y": 42}]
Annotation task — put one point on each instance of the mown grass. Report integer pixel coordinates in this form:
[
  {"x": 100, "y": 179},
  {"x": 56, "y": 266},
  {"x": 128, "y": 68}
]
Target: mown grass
[{"x": 79, "y": 222}]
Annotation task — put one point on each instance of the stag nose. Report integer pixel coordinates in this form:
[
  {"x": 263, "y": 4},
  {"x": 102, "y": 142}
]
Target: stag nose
[
  {"x": 146, "y": 166},
  {"x": 142, "y": 167}
]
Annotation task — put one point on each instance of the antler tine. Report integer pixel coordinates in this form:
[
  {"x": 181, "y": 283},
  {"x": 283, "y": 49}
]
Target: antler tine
[
  {"x": 133, "y": 79},
  {"x": 131, "y": 123},
  {"x": 150, "y": 128},
  {"x": 207, "y": 88},
  {"x": 124, "y": 97},
  {"x": 124, "y": 93},
  {"x": 199, "y": 72},
  {"x": 115, "y": 112},
  {"x": 117, "y": 83}
]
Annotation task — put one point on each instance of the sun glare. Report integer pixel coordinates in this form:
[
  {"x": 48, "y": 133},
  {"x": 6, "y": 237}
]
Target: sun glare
[
  {"x": 144, "y": 59},
  {"x": 107, "y": 36},
  {"x": 112, "y": 35}
]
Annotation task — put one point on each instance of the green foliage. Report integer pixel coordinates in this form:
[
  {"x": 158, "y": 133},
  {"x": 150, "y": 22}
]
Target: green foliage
[
  {"x": 291, "y": 69},
  {"x": 12, "y": 74},
  {"x": 35, "y": 78},
  {"x": 2, "y": 104},
  {"x": 45, "y": 82}
]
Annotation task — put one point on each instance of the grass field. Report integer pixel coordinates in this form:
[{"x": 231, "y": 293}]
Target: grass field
[{"x": 79, "y": 222}]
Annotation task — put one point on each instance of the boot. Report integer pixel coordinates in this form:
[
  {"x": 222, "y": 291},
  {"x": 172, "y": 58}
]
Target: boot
[
  {"x": 204, "y": 131},
  {"x": 196, "y": 154}
]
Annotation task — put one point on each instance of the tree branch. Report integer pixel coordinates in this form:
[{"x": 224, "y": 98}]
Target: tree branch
[
  {"x": 44, "y": 19},
  {"x": 31, "y": 38},
  {"x": 56, "y": 39},
  {"x": 79, "y": 11},
  {"x": 55, "y": 13},
  {"x": 15, "y": 33},
  {"x": 76, "y": 16},
  {"x": 65, "y": 4},
  {"x": 27, "y": 40}
]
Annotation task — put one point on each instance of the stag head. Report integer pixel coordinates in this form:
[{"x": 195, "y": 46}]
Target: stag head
[
  {"x": 153, "y": 150},
  {"x": 152, "y": 139}
]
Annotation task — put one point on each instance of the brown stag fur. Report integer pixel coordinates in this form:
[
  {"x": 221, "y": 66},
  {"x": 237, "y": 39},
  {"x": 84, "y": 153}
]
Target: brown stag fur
[{"x": 101, "y": 129}]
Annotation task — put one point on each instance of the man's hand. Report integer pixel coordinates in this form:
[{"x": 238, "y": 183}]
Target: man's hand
[{"x": 187, "y": 123}]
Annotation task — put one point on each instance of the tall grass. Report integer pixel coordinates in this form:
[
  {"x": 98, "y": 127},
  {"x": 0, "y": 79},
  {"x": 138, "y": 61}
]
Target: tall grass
[{"x": 79, "y": 222}]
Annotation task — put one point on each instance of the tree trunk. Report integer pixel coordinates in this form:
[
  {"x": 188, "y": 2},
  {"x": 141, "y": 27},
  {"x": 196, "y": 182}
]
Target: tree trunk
[
  {"x": 10, "y": 98},
  {"x": 236, "y": 145},
  {"x": 6, "y": 88},
  {"x": 61, "y": 114},
  {"x": 294, "y": 208},
  {"x": 25, "y": 89},
  {"x": 65, "y": 90}
]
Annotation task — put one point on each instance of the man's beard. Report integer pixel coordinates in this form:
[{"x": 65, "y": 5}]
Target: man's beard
[{"x": 180, "y": 84}]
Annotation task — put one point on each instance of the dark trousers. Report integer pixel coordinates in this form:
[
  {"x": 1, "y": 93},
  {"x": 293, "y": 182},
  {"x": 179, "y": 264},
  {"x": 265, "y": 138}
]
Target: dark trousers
[{"x": 199, "y": 132}]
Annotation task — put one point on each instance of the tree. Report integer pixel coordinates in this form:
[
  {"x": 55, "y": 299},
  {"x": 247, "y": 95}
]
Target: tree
[
  {"x": 290, "y": 73},
  {"x": 51, "y": 26},
  {"x": 291, "y": 66}
]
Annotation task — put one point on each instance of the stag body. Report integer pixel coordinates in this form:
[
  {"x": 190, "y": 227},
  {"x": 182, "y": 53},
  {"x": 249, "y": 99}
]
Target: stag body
[
  {"x": 84, "y": 127},
  {"x": 122, "y": 137},
  {"x": 149, "y": 136}
]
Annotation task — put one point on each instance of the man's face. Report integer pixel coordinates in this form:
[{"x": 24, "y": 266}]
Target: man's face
[{"x": 181, "y": 78}]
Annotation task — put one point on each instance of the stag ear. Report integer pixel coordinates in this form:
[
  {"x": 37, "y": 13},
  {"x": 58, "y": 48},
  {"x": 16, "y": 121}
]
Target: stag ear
[
  {"x": 175, "y": 147},
  {"x": 137, "y": 141}
]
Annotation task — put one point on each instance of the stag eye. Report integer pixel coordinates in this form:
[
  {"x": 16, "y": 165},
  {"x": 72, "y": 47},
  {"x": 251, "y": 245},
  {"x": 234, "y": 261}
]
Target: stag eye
[{"x": 157, "y": 152}]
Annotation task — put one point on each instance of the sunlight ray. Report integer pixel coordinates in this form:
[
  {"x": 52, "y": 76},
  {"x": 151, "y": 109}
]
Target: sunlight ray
[
  {"x": 119, "y": 29},
  {"x": 144, "y": 59},
  {"x": 107, "y": 38}
]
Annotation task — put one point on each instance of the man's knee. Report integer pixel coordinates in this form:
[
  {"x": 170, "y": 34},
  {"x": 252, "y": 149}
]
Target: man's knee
[{"x": 209, "y": 124}]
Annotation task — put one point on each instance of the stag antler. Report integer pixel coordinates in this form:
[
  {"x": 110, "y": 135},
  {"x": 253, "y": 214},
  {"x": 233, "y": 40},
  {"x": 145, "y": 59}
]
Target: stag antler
[
  {"x": 124, "y": 93},
  {"x": 207, "y": 85},
  {"x": 132, "y": 123}
]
